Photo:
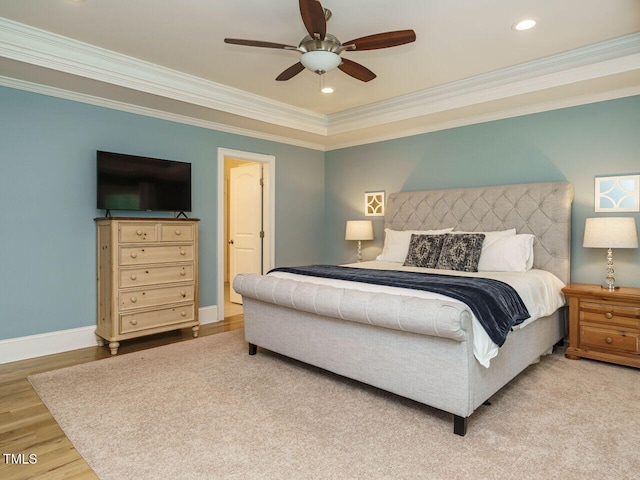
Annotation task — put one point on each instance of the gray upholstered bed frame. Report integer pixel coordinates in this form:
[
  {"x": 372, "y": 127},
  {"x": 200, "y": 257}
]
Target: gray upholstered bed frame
[{"x": 401, "y": 344}]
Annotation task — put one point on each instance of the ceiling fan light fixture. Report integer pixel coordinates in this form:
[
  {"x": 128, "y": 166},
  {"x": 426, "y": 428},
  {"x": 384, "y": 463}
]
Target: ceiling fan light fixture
[
  {"x": 320, "y": 51},
  {"x": 320, "y": 61}
]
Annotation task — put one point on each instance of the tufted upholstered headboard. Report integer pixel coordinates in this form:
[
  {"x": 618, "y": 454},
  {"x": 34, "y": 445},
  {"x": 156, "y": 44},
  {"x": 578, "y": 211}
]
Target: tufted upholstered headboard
[{"x": 543, "y": 209}]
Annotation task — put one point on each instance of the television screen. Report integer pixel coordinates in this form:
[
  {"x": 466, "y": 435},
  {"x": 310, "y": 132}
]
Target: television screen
[{"x": 128, "y": 182}]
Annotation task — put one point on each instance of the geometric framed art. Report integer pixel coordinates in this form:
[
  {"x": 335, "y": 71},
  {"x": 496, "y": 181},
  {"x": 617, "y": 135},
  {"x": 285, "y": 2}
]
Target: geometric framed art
[
  {"x": 374, "y": 204},
  {"x": 617, "y": 194}
]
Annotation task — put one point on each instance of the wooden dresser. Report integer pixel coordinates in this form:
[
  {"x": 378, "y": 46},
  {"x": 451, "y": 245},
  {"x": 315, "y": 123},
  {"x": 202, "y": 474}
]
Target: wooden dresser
[
  {"x": 604, "y": 325},
  {"x": 147, "y": 277}
]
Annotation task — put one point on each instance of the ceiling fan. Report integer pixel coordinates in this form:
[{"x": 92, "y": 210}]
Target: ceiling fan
[{"x": 321, "y": 50}]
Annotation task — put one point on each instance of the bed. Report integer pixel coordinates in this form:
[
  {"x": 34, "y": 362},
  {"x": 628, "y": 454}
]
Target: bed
[{"x": 422, "y": 345}]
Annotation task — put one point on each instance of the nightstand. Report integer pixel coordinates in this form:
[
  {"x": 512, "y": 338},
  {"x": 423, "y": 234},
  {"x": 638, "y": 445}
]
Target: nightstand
[{"x": 604, "y": 325}]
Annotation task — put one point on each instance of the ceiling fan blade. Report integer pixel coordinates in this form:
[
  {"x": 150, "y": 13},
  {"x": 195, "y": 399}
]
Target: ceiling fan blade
[
  {"x": 313, "y": 18},
  {"x": 383, "y": 40},
  {"x": 290, "y": 72},
  {"x": 356, "y": 70},
  {"x": 258, "y": 43}
]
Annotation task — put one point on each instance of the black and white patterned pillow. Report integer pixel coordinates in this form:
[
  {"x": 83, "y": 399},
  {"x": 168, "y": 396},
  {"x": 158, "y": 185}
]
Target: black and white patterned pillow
[
  {"x": 461, "y": 252},
  {"x": 424, "y": 250}
]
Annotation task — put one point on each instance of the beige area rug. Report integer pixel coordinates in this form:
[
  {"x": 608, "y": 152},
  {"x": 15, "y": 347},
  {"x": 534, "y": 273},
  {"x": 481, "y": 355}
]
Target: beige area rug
[{"x": 205, "y": 409}]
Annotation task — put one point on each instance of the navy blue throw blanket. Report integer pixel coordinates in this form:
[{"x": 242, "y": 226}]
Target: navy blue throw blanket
[{"x": 496, "y": 305}]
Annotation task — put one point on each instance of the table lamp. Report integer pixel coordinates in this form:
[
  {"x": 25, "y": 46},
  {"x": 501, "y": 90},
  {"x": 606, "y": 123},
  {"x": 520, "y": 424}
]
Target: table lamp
[
  {"x": 609, "y": 233},
  {"x": 359, "y": 230}
]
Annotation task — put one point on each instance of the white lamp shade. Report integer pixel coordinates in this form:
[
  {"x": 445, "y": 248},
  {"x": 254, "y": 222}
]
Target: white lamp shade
[
  {"x": 320, "y": 60},
  {"x": 359, "y": 230},
  {"x": 610, "y": 232}
]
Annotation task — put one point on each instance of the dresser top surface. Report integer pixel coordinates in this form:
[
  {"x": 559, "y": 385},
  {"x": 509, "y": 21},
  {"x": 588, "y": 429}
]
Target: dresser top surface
[{"x": 146, "y": 219}]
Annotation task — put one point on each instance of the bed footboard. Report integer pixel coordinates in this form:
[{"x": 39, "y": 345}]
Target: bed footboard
[{"x": 417, "y": 315}]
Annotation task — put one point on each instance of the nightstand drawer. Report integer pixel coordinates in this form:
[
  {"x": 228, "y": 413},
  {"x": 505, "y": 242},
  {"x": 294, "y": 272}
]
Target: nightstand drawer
[
  {"x": 610, "y": 339},
  {"x": 610, "y": 314}
]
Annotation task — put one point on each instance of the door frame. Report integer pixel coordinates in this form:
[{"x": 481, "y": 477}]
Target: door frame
[{"x": 269, "y": 213}]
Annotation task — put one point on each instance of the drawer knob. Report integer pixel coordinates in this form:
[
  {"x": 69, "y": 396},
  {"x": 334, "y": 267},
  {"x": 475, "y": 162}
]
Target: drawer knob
[
  {"x": 609, "y": 315},
  {"x": 183, "y": 272},
  {"x": 139, "y": 232},
  {"x": 133, "y": 276},
  {"x": 134, "y": 299},
  {"x": 609, "y": 340},
  {"x": 184, "y": 314},
  {"x": 134, "y": 322},
  {"x": 134, "y": 254},
  {"x": 182, "y": 252},
  {"x": 178, "y": 232},
  {"x": 183, "y": 293}
]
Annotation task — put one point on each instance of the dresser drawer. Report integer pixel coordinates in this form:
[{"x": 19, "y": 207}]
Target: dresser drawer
[
  {"x": 134, "y": 322},
  {"x": 176, "y": 232},
  {"x": 150, "y": 297},
  {"x": 154, "y": 275},
  {"x": 628, "y": 342},
  {"x": 155, "y": 254},
  {"x": 610, "y": 314},
  {"x": 137, "y": 232}
]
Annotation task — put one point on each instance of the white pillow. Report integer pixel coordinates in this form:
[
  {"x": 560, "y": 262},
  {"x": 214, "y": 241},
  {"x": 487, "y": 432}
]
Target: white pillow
[
  {"x": 396, "y": 243},
  {"x": 490, "y": 237},
  {"x": 507, "y": 254}
]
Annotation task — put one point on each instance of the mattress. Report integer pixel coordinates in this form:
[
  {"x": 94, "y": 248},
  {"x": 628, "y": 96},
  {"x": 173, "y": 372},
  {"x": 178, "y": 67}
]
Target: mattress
[{"x": 539, "y": 290}]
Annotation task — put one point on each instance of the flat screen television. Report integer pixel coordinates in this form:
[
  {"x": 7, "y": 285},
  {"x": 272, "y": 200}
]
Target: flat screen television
[{"x": 129, "y": 182}]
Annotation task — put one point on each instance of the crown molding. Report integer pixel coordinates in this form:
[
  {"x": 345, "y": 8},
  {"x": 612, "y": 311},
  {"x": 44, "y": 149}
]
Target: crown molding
[
  {"x": 38, "y": 47},
  {"x": 407, "y": 132},
  {"x": 493, "y": 116},
  {"x": 151, "y": 112},
  {"x": 606, "y": 58},
  {"x": 45, "y": 49}
]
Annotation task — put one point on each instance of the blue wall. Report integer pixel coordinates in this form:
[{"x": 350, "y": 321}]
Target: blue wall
[
  {"x": 573, "y": 144},
  {"x": 47, "y": 189},
  {"x": 48, "y": 198}
]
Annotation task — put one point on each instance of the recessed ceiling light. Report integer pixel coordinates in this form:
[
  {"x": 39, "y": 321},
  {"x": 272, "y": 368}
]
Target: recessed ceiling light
[{"x": 525, "y": 24}]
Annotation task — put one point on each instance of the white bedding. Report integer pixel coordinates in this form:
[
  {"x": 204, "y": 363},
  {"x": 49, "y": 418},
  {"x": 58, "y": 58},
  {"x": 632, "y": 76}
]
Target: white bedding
[{"x": 540, "y": 291}]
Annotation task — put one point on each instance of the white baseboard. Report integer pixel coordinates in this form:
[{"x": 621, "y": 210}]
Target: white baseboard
[
  {"x": 22, "y": 348},
  {"x": 208, "y": 314}
]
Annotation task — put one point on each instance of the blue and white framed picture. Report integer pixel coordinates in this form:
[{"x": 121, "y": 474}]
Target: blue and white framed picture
[{"x": 617, "y": 194}]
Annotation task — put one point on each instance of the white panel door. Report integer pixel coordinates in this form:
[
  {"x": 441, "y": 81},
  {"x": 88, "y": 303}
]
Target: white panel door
[{"x": 245, "y": 222}]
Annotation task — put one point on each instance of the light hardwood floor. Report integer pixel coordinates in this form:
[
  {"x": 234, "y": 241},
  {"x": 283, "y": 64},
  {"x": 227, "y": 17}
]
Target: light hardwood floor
[
  {"x": 26, "y": 426},
  {"x": 230, "y": 309}
]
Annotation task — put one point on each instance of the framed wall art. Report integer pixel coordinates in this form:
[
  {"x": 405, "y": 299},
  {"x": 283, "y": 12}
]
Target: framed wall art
[
  {"x": 374, "y": 204},
  {"x": 617, "y": 194}
]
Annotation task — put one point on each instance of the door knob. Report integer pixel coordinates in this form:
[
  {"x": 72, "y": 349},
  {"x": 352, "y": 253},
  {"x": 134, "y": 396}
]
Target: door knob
[{"x": 230, "y": 242}]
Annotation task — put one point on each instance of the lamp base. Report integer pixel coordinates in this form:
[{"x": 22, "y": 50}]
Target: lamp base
[{"x": 610, "y": 288}]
